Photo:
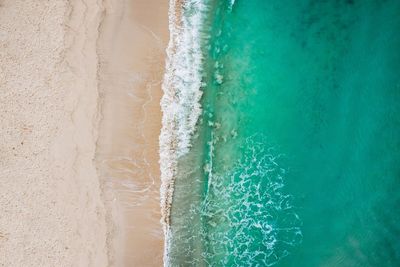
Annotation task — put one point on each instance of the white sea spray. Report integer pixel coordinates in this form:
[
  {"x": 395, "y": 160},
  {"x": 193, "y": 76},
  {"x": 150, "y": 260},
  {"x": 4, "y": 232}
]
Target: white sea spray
[
  {"x": 231, "y": 4},
  {"x": 180, "y": 103}
]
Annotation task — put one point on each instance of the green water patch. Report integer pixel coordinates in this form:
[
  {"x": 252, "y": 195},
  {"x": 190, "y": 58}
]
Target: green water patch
[
  {"x": 247, "y": 217},
  {"x": 296, "y": 159}
]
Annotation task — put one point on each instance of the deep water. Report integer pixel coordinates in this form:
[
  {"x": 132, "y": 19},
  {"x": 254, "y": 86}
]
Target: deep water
[{"x": 296, "y": 159}]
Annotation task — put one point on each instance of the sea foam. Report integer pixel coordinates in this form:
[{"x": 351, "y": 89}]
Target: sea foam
[
  {"x": 182, "y": 93},
  {"x": 249, "y": 219}
]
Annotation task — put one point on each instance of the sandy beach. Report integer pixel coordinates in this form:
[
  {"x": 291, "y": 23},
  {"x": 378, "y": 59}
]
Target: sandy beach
[
  {"x": 51, "y": 209},
  {"x": 80, "y": 119},
  {"x": 133, "y": 39}
]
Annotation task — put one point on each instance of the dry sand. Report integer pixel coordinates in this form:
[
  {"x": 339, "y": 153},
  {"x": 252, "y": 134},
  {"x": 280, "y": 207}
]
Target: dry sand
[
  {"x": 50, "y": 198},
  {"x": 79, "y": 125}
]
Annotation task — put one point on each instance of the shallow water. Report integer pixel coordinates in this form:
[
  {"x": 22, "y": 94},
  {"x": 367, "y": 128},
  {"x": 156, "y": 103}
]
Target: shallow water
[{"x": 296, "y": 158}]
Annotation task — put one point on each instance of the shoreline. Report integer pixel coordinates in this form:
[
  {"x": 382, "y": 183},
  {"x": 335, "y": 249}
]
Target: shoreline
[
  {"x": 180, "y": 103},
  {"x": 81, "y": 87},
  {"x": 168, "y": 159},
  {"x": 132, "y": 43}
]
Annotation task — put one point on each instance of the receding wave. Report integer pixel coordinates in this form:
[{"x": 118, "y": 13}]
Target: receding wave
[{"x": 180, "y": 103}]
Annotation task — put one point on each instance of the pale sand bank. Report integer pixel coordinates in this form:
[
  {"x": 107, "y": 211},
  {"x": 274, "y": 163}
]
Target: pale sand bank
[
  {"x": 133, "y": 38},
  {"x": 51, "y": 211}
]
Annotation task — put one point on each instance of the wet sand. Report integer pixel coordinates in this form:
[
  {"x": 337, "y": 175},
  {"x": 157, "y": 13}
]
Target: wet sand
[{"x": 133, "y": 38}]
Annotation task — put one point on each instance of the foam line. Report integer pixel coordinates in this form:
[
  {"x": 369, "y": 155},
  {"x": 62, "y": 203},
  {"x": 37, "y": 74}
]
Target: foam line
[{"x": 180, "y": 103}]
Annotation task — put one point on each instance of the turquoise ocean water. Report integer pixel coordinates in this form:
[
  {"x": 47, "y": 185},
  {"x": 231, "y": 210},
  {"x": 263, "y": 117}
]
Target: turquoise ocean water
[{"x": 295, "y": 160}]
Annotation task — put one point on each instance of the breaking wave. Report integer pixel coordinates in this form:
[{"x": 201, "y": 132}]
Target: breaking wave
[{"x": 182, "y": 93}]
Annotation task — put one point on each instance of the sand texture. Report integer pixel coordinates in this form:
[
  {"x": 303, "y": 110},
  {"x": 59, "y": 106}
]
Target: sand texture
[
  {"x": 51, "y": 208},
  {"x": 133, "y": 38},
  {"x": 80, "y": 89}
]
